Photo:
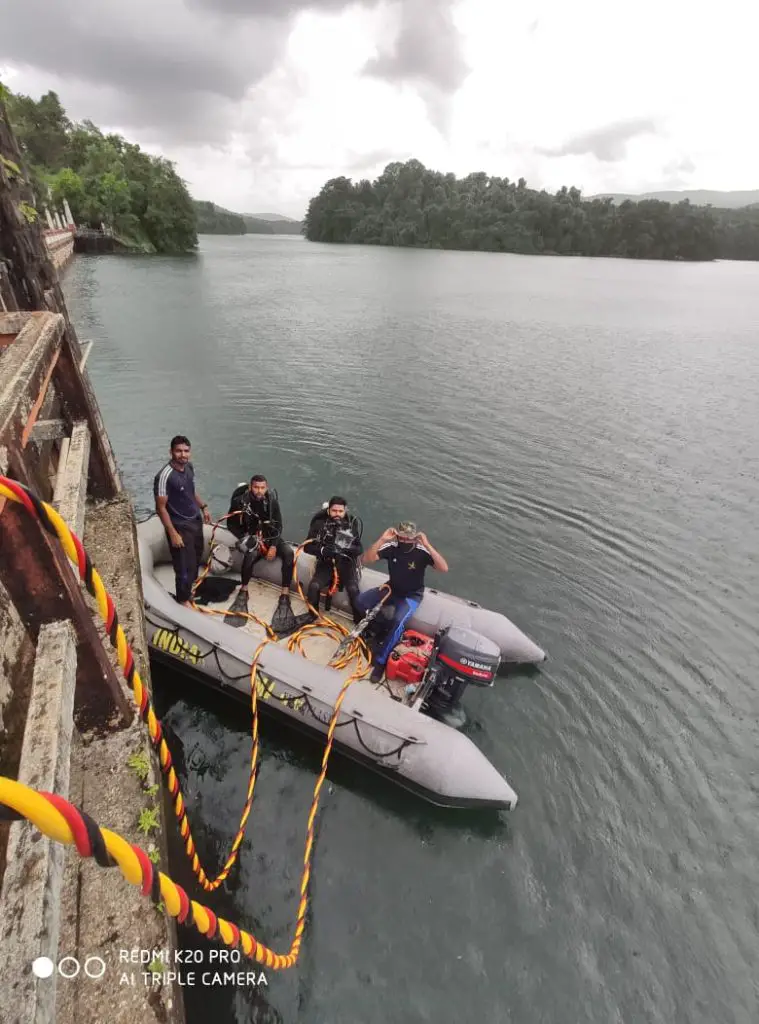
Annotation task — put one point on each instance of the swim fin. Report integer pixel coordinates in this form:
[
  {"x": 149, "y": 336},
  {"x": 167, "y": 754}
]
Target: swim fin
[
  {"x": 240, "y": 604},
  {"x": 283, "y": 619},
  {"x": 284, "y": 622}
]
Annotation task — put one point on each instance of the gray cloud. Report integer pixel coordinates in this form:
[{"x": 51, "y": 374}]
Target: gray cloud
[
  {"x": 159, "y": 68},
  {"x": 353, "y": 164},
  {"x": 608, "y": 143},
  {"x": 176, "y": 71},
  {"x": 374, "y": 158},
  {"x": 682, "y": 166},
  {"x": 676, "y": 173},
  {"x": 427, "y": 48},
  {"x": 277, "y": 9}
]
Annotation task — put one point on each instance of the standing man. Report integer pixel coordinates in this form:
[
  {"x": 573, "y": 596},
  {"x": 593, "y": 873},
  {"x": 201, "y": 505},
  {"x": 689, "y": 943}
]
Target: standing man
[
  {"x": 334, "y": 538},
  {"x": 182, "y": 512},
  {"x": 408, "y": 554},
  {"x": 256, "y": 520}
]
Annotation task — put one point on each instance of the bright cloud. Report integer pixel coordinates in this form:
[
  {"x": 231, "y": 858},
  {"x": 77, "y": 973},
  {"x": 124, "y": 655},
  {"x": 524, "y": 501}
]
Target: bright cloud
[{"x": 261, "y": 101}]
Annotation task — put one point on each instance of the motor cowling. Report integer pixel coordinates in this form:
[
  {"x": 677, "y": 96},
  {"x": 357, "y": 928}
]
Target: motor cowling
[{"x": 462, "y": 658}]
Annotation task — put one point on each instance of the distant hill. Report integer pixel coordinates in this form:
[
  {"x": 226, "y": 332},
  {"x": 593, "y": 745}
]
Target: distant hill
[
  {"x": 280, "y": 226},
  {"x": 215, "y": 220},
  {"x": 270, "y": 216},
  {"x": 699, "y": 197}
]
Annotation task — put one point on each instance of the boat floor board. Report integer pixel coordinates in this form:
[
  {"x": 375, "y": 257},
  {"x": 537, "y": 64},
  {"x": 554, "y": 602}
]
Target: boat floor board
[{"x": 262, "y": 602}]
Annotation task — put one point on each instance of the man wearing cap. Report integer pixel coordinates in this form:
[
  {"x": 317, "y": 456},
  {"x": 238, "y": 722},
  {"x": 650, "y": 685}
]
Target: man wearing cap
[{"x": 408, "y": 554}]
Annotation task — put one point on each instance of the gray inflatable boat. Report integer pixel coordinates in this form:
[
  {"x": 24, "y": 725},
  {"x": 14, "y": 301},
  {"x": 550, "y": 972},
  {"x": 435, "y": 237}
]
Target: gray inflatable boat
[{"x": 397, "y": 730}]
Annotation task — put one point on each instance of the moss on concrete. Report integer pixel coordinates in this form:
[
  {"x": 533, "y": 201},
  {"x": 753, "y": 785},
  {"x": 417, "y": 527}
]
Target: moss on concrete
[{"x": 102, "y": 913}]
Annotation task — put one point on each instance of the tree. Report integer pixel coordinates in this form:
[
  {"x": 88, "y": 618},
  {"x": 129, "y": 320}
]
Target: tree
[
  {"x": 105, "y": 178},
  {"x": 41, "y": 128},
  {"x": 410, "y": 205}
]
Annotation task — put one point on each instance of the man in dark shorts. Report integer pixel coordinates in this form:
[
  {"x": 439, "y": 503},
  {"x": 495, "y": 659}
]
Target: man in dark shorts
[
  {"x": 334, "y": 538},
  {"x": 182, "y": 513},
  {"x": 409, "y": 554},
  {"x": 256, "y": 520}
]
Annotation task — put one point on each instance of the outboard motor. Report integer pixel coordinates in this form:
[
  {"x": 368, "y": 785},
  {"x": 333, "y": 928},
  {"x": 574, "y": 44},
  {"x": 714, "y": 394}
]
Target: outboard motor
[{"x": 460, "y": 657}]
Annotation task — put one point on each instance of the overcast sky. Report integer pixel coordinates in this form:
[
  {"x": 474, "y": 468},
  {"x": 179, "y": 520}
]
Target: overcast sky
[{"x": 259, "y": 102}]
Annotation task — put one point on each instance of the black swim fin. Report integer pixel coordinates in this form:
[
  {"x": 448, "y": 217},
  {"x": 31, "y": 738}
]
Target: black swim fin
[
  {"x": 283, "y": 619},
  {"x": 285, "y": 622},
  {"x": 240, "y": 604}
]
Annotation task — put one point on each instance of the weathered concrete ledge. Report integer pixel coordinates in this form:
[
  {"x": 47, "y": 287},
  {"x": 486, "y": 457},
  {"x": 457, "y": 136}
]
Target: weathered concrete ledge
[
  {"x": 60, "y": 247},
  {"x": 101, "y": 912},
  {"x": 12, "y": 636},
  {"x": 104, "y": 757},
  {"x": 31, "y": 892},
  {"x": 70, "y": 492}
]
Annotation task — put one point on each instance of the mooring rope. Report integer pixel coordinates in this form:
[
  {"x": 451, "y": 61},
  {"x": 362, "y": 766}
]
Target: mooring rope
[
  {"x": 62, "y": 822},
  {"x": 54, "y": 524}
]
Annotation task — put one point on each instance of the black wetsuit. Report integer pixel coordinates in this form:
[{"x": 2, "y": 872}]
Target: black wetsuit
[
  {"x": 321, "y": 533},
  {"x": 260, "y": 524}
]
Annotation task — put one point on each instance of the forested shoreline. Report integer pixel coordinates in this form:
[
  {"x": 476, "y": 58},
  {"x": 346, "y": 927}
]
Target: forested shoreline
[
  {"x": 410, "y": 205},
  {"x": 104, "y": 178}
]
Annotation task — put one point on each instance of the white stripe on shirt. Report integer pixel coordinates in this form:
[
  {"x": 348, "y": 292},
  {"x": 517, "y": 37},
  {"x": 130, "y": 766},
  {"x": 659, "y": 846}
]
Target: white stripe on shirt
[
  {"x": 163, "y": 480},
  {"x": 394, "y": 544}
]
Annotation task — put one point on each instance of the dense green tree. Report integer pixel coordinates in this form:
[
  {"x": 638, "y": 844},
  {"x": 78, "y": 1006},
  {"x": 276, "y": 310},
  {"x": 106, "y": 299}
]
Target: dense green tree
[
  {"x": 410, "y": 205},
  {"x": 738, "y": 233},
  {"x": 41, "y": 128},
  {"x": 104, "y": 178}
]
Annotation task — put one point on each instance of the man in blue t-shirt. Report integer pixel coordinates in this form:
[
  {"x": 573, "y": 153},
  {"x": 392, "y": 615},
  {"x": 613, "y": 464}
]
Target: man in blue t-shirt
[
  {"x": 182, "y": 513},
  {"x": 409, "y": 554}
]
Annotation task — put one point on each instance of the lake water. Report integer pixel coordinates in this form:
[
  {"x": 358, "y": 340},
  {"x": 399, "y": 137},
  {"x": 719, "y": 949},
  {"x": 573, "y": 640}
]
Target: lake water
[{"x": 580, "y": 439}]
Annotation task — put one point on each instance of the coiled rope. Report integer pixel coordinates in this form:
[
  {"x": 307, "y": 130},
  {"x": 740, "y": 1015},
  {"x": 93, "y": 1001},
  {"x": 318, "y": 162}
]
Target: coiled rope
[{"x": 54, "y": 524}]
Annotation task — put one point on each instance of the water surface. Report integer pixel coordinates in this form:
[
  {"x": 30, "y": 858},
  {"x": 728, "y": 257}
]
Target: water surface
[{"x": 580, "y": 439}]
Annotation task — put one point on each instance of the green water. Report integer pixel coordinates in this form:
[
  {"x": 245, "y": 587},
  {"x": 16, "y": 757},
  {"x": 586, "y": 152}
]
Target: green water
[{"x": 580, "y": 439}]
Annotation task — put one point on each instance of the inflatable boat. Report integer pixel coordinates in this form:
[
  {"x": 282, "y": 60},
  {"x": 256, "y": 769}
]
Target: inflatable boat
[{"x": 406, "y": 727}]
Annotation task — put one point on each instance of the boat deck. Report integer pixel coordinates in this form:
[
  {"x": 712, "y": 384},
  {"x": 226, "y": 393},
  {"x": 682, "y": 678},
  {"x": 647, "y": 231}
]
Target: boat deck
[{"x": 262, "y": 601}]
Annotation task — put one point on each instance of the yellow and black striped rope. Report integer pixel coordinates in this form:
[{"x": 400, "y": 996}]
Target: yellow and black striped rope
[
  {"x": 56, "y": 525},
  {"x": 65, "y": 823}
]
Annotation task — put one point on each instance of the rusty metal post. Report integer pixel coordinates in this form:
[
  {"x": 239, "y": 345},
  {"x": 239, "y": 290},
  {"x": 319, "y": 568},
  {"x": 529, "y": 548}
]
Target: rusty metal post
[{"x": 44, "y": 588}]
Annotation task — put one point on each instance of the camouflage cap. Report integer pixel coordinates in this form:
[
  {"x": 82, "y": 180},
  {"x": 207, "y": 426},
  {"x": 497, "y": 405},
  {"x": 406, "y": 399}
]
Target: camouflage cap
[{"x": 407, "y": 530}]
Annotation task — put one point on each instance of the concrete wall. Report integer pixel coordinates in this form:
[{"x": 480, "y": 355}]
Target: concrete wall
[
  {"x": 12, "y": 634},
  {"x": 60, "y": 245}
]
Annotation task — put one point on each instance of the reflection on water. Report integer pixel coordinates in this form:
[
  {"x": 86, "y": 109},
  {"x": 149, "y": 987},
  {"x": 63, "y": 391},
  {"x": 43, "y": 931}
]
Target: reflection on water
[{"x": 580, "y": 440}]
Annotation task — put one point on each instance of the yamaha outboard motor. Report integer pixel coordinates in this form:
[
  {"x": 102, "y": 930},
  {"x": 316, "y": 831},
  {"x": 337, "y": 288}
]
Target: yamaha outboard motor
[{"x": 461, "y": 657}]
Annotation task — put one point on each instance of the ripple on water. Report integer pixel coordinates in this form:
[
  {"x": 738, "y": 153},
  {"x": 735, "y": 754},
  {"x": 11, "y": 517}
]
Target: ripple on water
[{"x": 579, "y": 438}]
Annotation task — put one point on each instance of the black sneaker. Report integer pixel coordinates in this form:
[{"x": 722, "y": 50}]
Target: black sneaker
[{"x": 377, "y": 673}]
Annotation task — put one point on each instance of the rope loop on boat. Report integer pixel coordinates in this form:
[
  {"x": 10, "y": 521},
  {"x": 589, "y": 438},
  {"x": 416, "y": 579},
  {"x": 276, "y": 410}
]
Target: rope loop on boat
[{"x": 55, "y": 525}]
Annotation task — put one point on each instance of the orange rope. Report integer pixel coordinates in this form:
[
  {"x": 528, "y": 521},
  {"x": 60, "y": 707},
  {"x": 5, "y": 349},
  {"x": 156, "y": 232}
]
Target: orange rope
[{"x": 75, "y": 551}]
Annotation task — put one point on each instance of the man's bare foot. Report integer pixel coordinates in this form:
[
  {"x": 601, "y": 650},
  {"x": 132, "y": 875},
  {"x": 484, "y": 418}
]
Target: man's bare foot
[{"x": 186, "y": 604}]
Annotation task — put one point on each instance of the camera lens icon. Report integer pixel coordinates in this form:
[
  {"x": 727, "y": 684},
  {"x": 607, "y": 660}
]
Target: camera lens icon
[
  {"x": 43, "y": 967},
  {"x": 68, "y": 967}
]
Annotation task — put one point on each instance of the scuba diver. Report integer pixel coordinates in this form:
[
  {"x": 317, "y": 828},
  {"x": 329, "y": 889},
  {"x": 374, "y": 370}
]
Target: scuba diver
[
  {"x": 256, "y": 521},
  {"x": 408, "y": 554},
  {"x": 334, "y": 538}
]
